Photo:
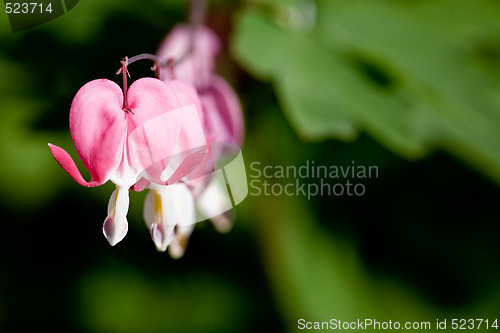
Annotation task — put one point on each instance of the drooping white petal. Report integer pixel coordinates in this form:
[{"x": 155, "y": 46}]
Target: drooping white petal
[
  {"x": 160, "y": 219},
  {"x": 115, "y": 226},
  {"x": 150, "y": 208},
  {"x": 214, "y": 203},
  {"x": 167, "y": 210},
  {"x": 223, "y": 222},
  {"x": 180, "y": 241},
  {"x": 184, "y": 204},
  {"x": 162, "y": 235}
]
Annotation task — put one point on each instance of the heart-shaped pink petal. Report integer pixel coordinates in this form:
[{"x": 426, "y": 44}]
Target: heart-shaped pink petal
[
  {"x": 98, "y": 127},
  {"x": 166, "y": 122}
]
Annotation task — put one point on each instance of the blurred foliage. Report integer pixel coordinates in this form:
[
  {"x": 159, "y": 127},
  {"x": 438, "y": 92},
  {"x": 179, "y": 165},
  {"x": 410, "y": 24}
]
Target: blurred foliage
[
  {"x": 375, "y": 82},
  {"x": 390, "y": 255},
  {"x": 413, "y": 74},
  {"x": 416, "y": 76}
]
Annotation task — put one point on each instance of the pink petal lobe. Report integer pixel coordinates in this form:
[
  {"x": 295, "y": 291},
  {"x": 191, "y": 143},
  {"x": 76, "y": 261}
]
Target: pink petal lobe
[
  {"x": 140, "y": 185},
  {"x": 222, "y": 110},
  {"x": 67, "y": 163},
  {"x": 149, "y": 98},
  {"x": 188, "y": 165},
  {"x": 98, "y": 127},
  {"x": 187, "y": 95},
  {"x": 165, "y": 123}
]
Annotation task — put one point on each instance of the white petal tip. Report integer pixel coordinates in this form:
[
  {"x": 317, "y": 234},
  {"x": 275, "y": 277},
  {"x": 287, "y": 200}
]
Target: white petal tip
[
  {"x": 178, "y": 246},
  {"x": 113, "y": 233},
  {"x": 162, "y": 236},
  {"x": 175, "y": 251},
  {"x": 223, "y": 223}
]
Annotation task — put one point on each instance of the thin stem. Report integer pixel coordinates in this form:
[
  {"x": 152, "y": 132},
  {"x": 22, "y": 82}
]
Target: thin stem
[
  {"x": 170, "y": 63},
  {"x": 197, "y": 13},
  {"x": 124, "y": 71},
  {"x": 196, "y": 18},
  {"x": 147, "y": 56}
]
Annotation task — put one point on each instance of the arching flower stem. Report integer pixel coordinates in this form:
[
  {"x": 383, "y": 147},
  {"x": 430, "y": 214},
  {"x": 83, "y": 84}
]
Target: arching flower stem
[{"x": 124, "y": 71}]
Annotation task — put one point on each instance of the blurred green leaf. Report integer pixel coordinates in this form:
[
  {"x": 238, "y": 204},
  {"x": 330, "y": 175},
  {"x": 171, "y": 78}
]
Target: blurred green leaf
[{"x": 394, "y": 70}]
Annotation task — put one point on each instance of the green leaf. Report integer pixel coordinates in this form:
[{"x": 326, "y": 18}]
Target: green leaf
[{"x": 394, "y": 70}]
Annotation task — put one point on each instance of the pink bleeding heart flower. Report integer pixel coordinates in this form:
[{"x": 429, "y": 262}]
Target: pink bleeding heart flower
[
  {"x": 195, "y": 67},
  {"x": 223, "y": 118},
  {"x": 125, "y": 146},
  {"x": 223, "y": 123},
  {"x": 222, "y": 112}
]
